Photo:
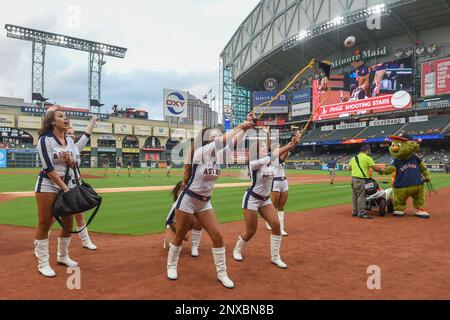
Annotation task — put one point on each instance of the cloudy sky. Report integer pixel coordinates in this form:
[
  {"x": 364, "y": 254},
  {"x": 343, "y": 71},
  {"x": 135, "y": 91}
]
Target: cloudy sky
[{"x": 171, "y": 43}]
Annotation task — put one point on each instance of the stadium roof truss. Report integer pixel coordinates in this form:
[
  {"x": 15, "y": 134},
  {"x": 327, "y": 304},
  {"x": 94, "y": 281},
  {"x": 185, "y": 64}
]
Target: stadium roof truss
[
  {"x": 40, "y": 39},
  {"x": 274, "y": 39}
]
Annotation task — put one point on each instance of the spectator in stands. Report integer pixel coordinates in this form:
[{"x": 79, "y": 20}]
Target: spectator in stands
[{"x": 360, "y": 166}]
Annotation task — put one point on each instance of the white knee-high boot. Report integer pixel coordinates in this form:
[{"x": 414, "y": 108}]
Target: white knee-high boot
[
  {"x": 172, "y": 261},
  {"x": 42, "y": 253},
  {"x": 281, "y": 218},
  {"x": 237, "y": 252},
  {"x": 85, "y": 239},
  {"x": 221, "y": 267},
  {"x": 63, "y": 253},
  {"x": 196, "y": 235},
  {"x": 275, "y": 244}
]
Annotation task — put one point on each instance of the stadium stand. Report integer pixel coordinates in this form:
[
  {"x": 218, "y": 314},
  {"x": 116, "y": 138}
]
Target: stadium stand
[
  {"x": 432, "y": 126},
  {"x": 380, "y": 131},
  {"x": 344, "y": 134},
  {"x": 315, "y": 135}
]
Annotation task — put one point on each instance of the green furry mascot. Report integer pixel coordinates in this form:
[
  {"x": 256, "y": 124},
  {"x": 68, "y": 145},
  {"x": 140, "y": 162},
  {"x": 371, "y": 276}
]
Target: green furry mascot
[{"x": 410, "y": 175}]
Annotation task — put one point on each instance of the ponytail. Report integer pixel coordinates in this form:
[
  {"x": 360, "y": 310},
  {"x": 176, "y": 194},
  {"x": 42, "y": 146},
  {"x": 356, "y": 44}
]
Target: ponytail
[{"x": 176, "y": 190}]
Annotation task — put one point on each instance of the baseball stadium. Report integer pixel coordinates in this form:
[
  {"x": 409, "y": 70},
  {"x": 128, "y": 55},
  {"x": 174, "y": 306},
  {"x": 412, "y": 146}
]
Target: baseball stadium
[{"x": 331, "y": 79}]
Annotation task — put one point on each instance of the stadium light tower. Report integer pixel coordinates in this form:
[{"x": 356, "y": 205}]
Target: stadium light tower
[{"x": 40, "y": 39}]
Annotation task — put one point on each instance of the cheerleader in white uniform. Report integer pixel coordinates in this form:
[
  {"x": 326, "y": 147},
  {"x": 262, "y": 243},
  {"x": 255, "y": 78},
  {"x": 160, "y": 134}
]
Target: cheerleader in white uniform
[
  {"x": 195, "y": 227},
  {"x": 57, "y": 154},
  {"x": 279, "y": 194},
  {"x": 202, "y": 168},
  {"x": 257, "y": 197},
  {"x": 80, "y": 144}
]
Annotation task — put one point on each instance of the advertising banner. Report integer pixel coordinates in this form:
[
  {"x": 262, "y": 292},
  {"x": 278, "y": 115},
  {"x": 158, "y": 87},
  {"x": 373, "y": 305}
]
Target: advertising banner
[
  {"x": 7, "y": 120},
  {"x": 301, "y": 102},
  {"x": 280, "y": 122},
  {"x": 178, "y": 133},
  {"x": 272, "y": 110},
  {"x": 280, "y": 105},
  {"x": 399, "y": 101},
  {"x": 29, "y": 122},
  {"x": 123, "y": 128},
  {"x": 130, "y": 150},
  {"x": 78, "y": 125},
  {"x": 103, "y": 127},
  {"x": 418, "y": 119},
  {"x": 383, "y": 87},
  {"x": 3, "y": 158},
  {"x": 432, "y": 104},
  {"x": 376, "y": 123},
  {"x": 70, "y": 112},
  {"x": 327, "y": 128},
  {"x": 436, "y": 77},
  {"x": 175, "y": 103},
  {"x": 142, "y": 130},
  {"x": 354, "y": 125},
  {"x": 301, "y": 109},
  {"x": 161, "y": 131}
]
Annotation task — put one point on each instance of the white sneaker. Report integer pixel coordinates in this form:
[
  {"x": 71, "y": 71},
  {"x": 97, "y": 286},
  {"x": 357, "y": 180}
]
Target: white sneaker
[
  {"x": 194, "y": 252},
  {"x": 284, "y": 233},
  {"x": 399, "y": 213},
  {"x": 279, "y": 263},
  {"x": 226, "y": 281},
  {"x": 268, "y": 226}
]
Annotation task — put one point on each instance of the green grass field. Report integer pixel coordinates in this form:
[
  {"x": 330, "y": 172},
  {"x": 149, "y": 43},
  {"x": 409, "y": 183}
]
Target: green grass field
[{"x": 138, "y": 213}]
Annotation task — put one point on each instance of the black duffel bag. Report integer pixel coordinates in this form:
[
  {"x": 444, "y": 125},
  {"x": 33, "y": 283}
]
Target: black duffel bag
[{"x": 81, "y": 198}]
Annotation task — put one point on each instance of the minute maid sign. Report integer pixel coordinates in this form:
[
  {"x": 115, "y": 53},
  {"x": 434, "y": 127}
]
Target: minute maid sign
[
  {"x": 175, "y": 103},
  {"x": 359, "y": 56}
]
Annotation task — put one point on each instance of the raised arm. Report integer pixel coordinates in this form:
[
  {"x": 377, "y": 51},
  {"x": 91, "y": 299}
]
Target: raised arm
[
  {"x": 82, "y": 142},
  {"x": 237, "y": 133},
  {"x": 283, "y": 152}
]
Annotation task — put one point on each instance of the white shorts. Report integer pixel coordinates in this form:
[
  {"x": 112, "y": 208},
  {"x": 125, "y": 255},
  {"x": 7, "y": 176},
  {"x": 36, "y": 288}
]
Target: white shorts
[
  {"x": 280, "y": 186},
  {"x": 251, "y": 203},
  {"x": 47, "y": 185},
  {"x": 192, "y": 205}
]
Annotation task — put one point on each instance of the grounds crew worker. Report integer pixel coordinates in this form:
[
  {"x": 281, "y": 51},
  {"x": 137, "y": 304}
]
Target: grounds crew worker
[{"x": 358, "y": 174}]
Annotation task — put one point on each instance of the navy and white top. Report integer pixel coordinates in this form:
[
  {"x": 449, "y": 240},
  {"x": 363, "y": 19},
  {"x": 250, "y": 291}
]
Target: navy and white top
[
  {"x": 206, "y": 168},
  {"x": 51, "y": 152},
  {"x": 262, "y": 172},
  {"x": 408, "y": 172},
  {"x": 279, "y": 172}
]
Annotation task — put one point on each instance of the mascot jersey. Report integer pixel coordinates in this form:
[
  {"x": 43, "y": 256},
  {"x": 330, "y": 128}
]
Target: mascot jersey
[{"x": 407, "y": 172}]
